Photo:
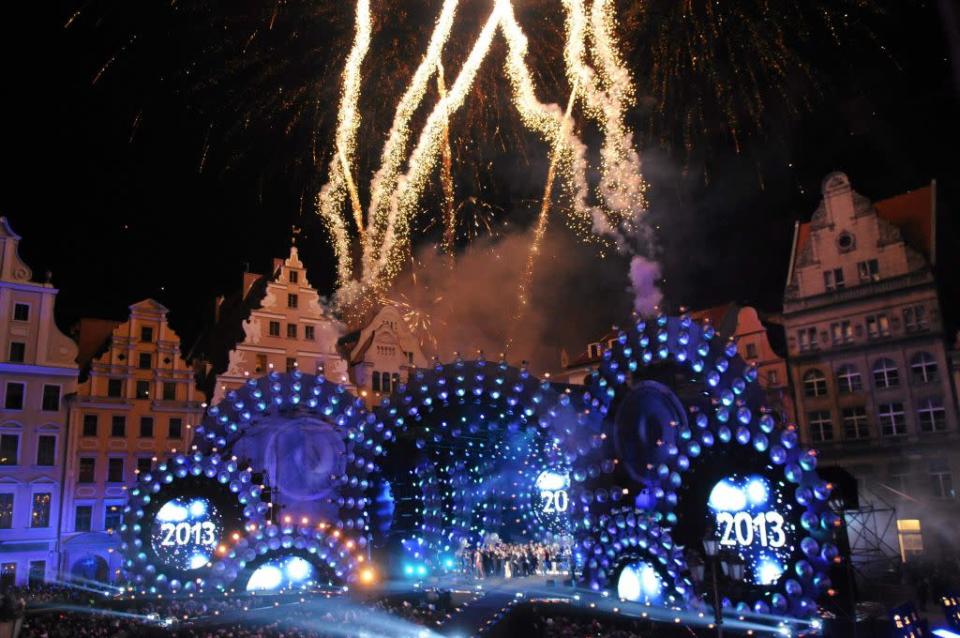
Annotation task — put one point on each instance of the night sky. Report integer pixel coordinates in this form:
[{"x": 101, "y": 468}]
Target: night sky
[{"x": 119, "y": 210}]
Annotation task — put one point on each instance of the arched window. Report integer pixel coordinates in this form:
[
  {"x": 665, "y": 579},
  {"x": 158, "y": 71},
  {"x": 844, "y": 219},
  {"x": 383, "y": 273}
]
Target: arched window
[
  {"x": 815, "y": 383},
  {"x": 932, "y": 415},
  {"x": 848, "y": 379},
  {"x": 376, "y": 382},
  {"x": 885, "y": 374},
  {"x": 923, "y": 367}
]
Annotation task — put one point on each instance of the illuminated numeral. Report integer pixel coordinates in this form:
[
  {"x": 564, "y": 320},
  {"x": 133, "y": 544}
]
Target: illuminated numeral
[
  {"x": 209, "y": 533},
  {"x": 168, "y": 530},
  {"x": 742, "y": 529},
  {"x": 187, "y": 534},
  {"x": 555, "y": 502}
]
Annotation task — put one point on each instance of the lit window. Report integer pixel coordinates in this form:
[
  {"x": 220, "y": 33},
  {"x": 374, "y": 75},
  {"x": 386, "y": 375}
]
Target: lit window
[
  {"x": 911, "y": 538},
  {"x": 878, "y": 326},
  {"x": 842, "y": 332},
  {"x": 111, "y": 517},
  {"x": 807, "y": 339},
  {"x": 833, "y": 279},
  {"x": 40, "y": 512},
  {"x": 868, "y": 271}
]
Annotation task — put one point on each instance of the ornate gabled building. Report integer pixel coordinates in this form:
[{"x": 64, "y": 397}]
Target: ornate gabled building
[
  {"x": 275, "y": 322},
  {"x": 868, "y": 356},
  {"x": 382, "y": 354},
  {"x": 137, "y": 403},
  {"x": 38, "y": 376}
]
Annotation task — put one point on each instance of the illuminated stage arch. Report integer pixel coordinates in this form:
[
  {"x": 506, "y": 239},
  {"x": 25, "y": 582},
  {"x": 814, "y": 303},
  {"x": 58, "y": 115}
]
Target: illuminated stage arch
[
  {"x": 288, "y": 556},
  {"x": 314, "y": 442},
  {"x": 485, "y": 462},
  {"x": 179, "y": 514},
  {"x": 726, "y": 428}
]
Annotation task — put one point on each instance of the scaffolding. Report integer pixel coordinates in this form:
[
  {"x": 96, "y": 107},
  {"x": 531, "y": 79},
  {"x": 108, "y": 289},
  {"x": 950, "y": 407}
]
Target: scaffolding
[{"x": 874, "y": 546}]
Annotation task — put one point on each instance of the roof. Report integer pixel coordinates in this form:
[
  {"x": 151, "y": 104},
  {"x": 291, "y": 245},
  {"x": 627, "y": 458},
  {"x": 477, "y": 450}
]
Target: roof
[
  {"x": 92, "y": 336},
  {"x": 720, "y": 317},
  {"x": 912, "y": 212}
]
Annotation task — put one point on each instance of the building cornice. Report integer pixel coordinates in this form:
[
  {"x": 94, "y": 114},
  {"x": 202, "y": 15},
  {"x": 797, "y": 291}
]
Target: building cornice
[
  {"x": 37, "y": 370},
  {"x": 912, "y": 281}
]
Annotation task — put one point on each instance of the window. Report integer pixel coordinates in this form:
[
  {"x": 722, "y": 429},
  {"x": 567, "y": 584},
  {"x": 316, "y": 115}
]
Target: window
[
  {"x": 143, "y": 389},
  {"x": 115, "y": 470},
  {"x": 118, "y": 426},
  {"x": 18, "y": 352},
  {"x": 146, "y": 334},
  {"x": 21, "y": 312},
  {"x": 6, "y": 511},
  {"x": 309, "y": 333},
  {"x": 385, "y": 382},
  {"x": 88, "y": 466},
  {"x": 169, "y": 391},
  {"x": 14, "y": 398},
  {"x": 46, "y": 449},
  {"x": 410, "y": 358},
  {"x": 846, "y": 242},
  {"x": 111, "y": 517},
  {"x": 814, "y": 384},
  {"x": 855, "y": 425},
  {"x": 51, "y": 398},
  {"x": 878, "y": 326},
  {"x": 885, "y": 374},
  {"x": 932, "y": 415},
  {"x": 293, "y": 276},
  {"x": 893, "y": 421},
  {"x": 82, "y": 518},
  {"x": 807, "y": 339},
  {"x": 868, "y": 271},
  {"x": 911, "y": 538},
  {"x": 915, "y": 318},
  {"x": 9, "y": 449},
  {"x": 773, "y": 378},
  {"x": 833, "y": 279},
  {"x": 923, "y": 368},
  {"x": 90, "y": 425},
  {"x": 38, "y": 572},
  {"x": 848, "y": 379},
  {"x": 291, "y": 364},
  {"x": 376, "y": 382},
  {"x": 751, "y": 351},
  {"x": 821, "y": 427},
  {"x": 115, "y": 388},
  {"x": 146, "y": 427},
  {"x": 291, "y": 331},
  {"x": 261, "y": 363},
  {"x": 396, "y": 380},
  {"x": 144, "y": 361},
  {"x": 274, "y": 328},
  {"x": 8, "y": 574},
  {"x": 175, "y": 428},
  {"x": 941, "y": 480},
  {"x": 40, "y": 512},
  {"x": 144, "y": 465},
  {"x": 292, "y": 301},
  {"x": 594, "y": 351},
  {"x": 842, "y": 332}
]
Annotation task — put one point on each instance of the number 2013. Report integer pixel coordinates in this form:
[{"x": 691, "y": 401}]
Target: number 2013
[
  {"x": 744, "y": 529},
  {"x": 186, "y": 534}
]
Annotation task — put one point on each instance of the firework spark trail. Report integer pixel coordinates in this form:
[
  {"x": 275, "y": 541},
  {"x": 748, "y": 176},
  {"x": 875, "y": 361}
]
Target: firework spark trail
[
  {"x": 384, "y": 182},
  {"x": 423, "y": 158},
  {"x": 331, "y": 198},
  {"x": 446, "y": 178},
  {"x": 526, "y": 279}
]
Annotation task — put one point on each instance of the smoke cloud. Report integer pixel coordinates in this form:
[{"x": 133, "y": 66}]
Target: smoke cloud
[
  {"x": 575, "y": 297},
  {"x": 644, "y": 280}
]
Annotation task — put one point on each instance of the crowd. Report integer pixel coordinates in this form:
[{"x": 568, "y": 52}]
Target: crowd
[{"x": 505, "y": 560}]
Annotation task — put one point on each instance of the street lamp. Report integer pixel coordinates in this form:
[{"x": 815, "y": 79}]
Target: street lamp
[{"x": 733, "y": 567}]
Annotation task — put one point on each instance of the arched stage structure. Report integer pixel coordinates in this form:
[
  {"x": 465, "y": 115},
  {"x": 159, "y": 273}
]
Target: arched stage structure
[{"x": 667, "y": 442}]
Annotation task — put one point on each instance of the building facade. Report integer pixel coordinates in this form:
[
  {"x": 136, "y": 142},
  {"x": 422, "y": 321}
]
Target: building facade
[
  {"x": 38, "y": 376},
  {"x": 382, "y": 354},
  {"x": 275, "y": 323},
  {"x": 137, "y": 403},
  {"x": 868, "y": 357}
]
